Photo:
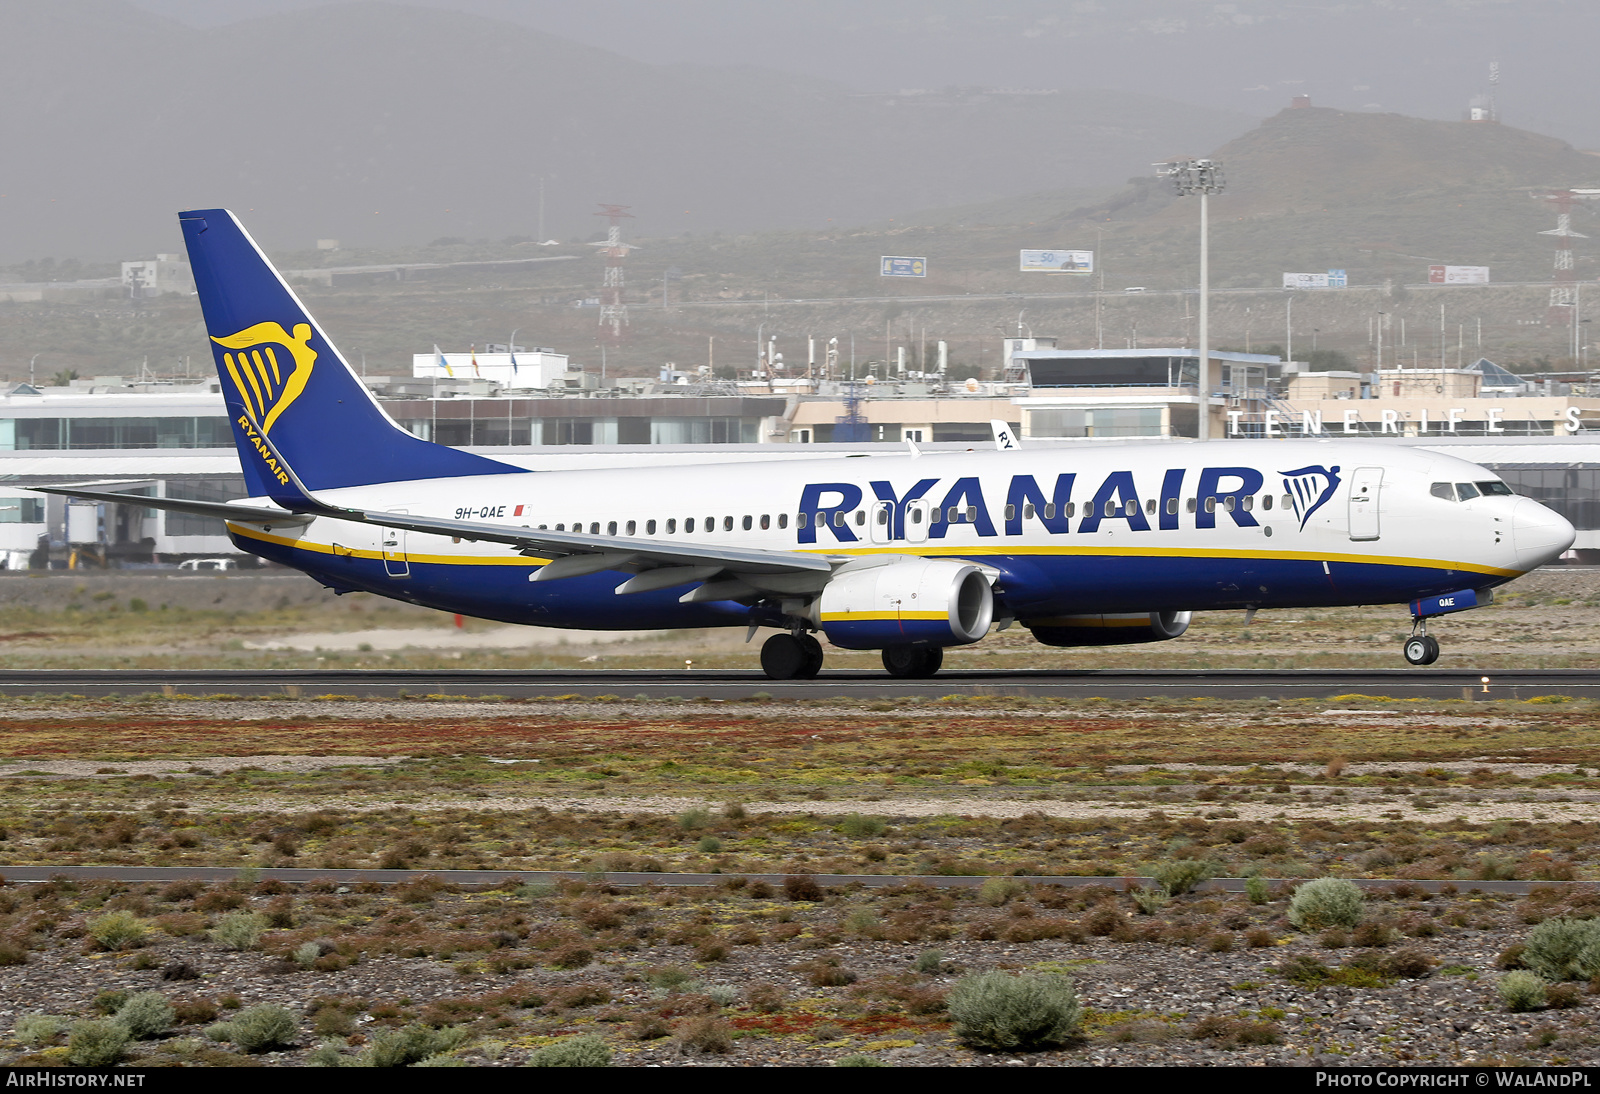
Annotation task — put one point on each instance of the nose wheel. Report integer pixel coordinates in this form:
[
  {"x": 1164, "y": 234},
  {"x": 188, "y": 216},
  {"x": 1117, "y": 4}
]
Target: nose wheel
[{"x": 1421, "y": 649}]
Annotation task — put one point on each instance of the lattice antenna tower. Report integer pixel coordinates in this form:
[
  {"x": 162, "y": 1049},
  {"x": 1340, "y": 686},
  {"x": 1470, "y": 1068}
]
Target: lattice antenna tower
[
  {"x": 613, "y": 312},
  {"x": 1564, "y": 278}
]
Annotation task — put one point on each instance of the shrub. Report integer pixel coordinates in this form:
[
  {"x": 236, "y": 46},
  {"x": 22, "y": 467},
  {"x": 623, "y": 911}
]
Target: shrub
[
  {"x": 305, "y": 955},
  {"x": 798, "y": 887},
  {"x": 585, "y": 1051},
  {"x": 1179, "y": 876},
  {"x": 120, "y": 930},
  {"x": 1256, "y": 889},
  {"x": 239, "y": 930},
  {"x": 96, "y": 1043},
  {"x": 1005, "y": 1012},
  {"x": 34, "y": 1030},
  {"x": 262, "y": 1027},
  {"x": 410, "y": 1044},
  {"x": 1563, "y": 949},
  {"x": 1522, "y": 991},
  {"x": 146, "y": 1015},
  {"x": 859, "y": 1059},
  {"x": 1232, "y": 1032},
  {"x": 930, "y": 962},
  {"x": 1150, "y": 901},
  {"x": 1326, "y": 902},
  {"x": 705, "y": 1035},
  {"x": 858, "y": 826},
  {"x": 699, "y": 817},
  {"x": 1001, "y": 890}
]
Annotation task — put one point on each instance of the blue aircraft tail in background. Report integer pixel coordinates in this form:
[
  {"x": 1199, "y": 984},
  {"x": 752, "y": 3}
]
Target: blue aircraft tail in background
[{"x": 290, "y": 395}]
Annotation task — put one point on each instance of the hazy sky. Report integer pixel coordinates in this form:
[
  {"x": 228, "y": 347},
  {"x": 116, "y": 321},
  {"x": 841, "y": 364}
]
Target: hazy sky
[{"x": 1420, "y": 57}]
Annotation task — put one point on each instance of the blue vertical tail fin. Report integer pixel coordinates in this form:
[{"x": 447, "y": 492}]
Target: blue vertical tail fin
[{"x": 283, "y": 379}]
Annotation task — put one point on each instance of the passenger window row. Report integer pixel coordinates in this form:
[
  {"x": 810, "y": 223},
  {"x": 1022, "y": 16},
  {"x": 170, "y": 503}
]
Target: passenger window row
[
  {"x": 670, "y": 526},
  {"x": 957, "y": 514}
]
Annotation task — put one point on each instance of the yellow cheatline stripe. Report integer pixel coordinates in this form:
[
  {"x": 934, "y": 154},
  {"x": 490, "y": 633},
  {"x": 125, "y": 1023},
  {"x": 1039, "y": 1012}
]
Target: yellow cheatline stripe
[
  {"x": 870, "y": 617},
  {"x": 979, "y": 551},
  {"x": 339, "y": 549},
  {"x": 982, "y": 550}
]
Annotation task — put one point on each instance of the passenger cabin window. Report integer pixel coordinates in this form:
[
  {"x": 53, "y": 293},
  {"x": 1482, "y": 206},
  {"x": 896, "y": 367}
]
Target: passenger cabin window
[
  {"x": 672, "y": 526},
  {"x": 688, "y": 524},
  {"x": 972, "y": 514},
  {"x": 915, "y": 515},
  {"x": 1443, "y": 490},
  {"x": 561, "y": 527},
  {"x": 882, "y": 517},
  {"x": 711, "y": 524},
  {"x": 1131, "y": 507},
  {"x": 594, "y": 528},
  {"x": 802, "y": 520},
  {"x": 1249, "y": 502},
  {"x": 611, "y": 528},
  {"x": 861, "y": 517},
  {"x": 1211, "y": 505},
  {"x": 783, "y": 520},
  {"x": 1192, "y": 505},
  {"x": 766, "y": 522},
  {"x": 1049, "y": 510},
  {"x": 649, "y": 527},
  {"x": 749, "y": 523},
  {"x": 1288, "y": 502},
  {"x": 1172, "y": 507},
  {"x": 838, "y": 518},
  {"x": 1266, "y": 501},
  {"x": 727, "y": 524},
  {"x": 1150, "y": 507},
  {"x": 633, "y": 527},
  {"x": 1027, "y": 511},
  {"x": 1011, "y": 512}
]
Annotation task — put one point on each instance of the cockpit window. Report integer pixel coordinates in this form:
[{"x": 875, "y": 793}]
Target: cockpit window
[
  {"x": 1466, "y": 491},
  {"x": 1493, "y": 489},
  {"x": 1443, "y": 490}
]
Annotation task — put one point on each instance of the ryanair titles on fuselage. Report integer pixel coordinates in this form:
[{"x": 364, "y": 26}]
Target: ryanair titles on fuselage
[{"x": 1217, "y": 492}]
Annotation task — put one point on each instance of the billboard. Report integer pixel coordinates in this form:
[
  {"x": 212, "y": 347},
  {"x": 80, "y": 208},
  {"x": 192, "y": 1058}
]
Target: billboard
[
  {"x": 1305, "y": 281},
  {"x": 1058, "y": 262},
  {"x": 1458, "y": 275},
  {"x": 903, "y": 267},
  {"x": 1338, "y": 280}
]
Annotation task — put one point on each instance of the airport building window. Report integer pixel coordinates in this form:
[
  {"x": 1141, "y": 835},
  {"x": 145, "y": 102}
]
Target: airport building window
[{"x": 21, "y": 510}]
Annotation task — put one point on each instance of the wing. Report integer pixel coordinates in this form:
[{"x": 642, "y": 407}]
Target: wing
[{"x": 720, "y": 573}]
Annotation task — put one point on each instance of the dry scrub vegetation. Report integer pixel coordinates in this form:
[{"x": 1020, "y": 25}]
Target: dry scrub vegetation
[{"x": 750, "y": 972}]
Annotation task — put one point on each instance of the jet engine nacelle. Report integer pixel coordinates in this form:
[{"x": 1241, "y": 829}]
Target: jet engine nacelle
[
  {"x": 913, "y": 602},
  {"x": 1110, "y": 630}
]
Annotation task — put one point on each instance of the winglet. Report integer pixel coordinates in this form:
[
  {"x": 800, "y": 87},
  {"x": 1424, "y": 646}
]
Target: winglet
[{"x": 1004, "y": 438}]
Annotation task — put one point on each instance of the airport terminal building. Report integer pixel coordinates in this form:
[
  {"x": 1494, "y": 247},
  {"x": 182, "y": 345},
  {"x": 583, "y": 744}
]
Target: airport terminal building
[{"x": 173, "y": 439}]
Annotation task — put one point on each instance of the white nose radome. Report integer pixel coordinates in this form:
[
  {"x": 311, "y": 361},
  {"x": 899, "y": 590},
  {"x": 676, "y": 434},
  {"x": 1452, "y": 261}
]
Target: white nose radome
[{"x": 1539, "y": 534}]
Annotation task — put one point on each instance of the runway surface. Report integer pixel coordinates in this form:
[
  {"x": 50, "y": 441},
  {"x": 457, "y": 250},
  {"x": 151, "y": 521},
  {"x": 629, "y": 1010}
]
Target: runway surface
[{"x": 1472, "y": 685}]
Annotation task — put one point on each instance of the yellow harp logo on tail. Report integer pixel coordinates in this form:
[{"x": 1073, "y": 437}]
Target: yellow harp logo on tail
[{"x": 267, "y": 382}]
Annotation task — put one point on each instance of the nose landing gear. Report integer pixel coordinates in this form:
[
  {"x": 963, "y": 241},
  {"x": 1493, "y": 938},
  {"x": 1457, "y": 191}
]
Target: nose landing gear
[{"x": 1421, "y": 648}]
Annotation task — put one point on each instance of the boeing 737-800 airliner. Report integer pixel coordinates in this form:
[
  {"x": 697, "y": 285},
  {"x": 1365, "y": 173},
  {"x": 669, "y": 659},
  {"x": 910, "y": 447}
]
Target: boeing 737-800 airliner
[{"x": 906, "y": 554}]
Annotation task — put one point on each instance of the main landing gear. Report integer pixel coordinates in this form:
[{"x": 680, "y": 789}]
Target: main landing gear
[
  {"x": 791, "y": 657},
  {"x": 1421, "y": 648},
  {"x": 913, "y": 662}
]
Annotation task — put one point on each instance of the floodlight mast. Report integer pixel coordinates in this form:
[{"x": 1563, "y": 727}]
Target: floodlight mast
[{"x": 1203, "y": 177}]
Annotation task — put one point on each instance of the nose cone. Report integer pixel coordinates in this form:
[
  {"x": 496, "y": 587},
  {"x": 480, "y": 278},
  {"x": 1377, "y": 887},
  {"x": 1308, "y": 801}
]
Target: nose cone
[{"x": 1539, "y": 535}]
